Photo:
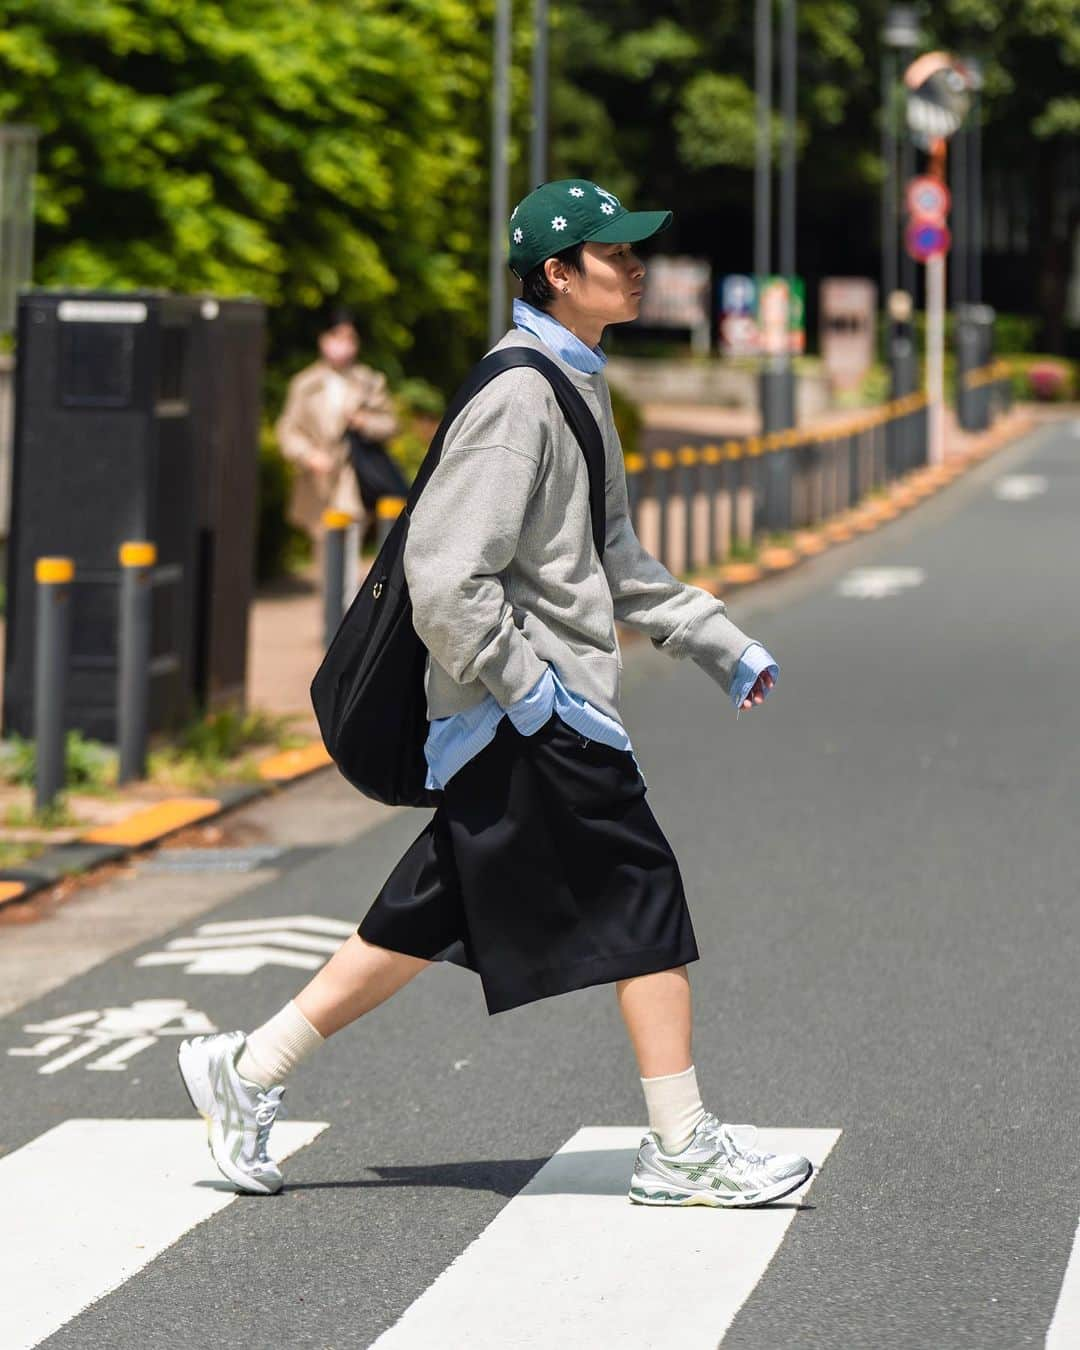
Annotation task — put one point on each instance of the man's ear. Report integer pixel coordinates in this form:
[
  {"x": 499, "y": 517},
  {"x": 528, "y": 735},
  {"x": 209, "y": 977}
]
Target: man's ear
[{"x": 555, "y": 271}]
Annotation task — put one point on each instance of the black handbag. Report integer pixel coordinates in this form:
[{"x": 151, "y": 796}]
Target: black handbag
[
  {"x": 368, "y": 693},
  {"x": 376, "y": 473}
]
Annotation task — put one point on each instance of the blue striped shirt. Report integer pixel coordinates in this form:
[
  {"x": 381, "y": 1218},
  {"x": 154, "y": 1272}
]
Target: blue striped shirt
[{"x": 453, "y": 741}]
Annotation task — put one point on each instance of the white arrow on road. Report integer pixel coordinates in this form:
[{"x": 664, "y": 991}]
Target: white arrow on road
[{"x": 241, "y": 946}]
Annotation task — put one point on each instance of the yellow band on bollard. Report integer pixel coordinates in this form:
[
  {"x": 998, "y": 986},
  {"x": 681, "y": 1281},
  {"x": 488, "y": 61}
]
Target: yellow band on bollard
[
  {"x": 712, "y": 454},
  {"x": 633, "y": 462},
  {"x": 663, "y": 459},
  {"x": 54, "y": 571},
  {"x": 138, "y": 553},
  {"x": 688, "y": 456},
  {"x": 337, "y": 520},
  {"x": 753, "y": 446},
  {"x": 733, "y": 450},
  {"x": 389, "y": 508}
]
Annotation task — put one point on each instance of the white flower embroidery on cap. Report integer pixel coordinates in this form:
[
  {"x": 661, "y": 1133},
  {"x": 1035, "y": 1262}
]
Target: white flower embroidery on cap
[
  {"x": 559, "y": 223},
  {"x": 607, "y": 208},
  {"x": 577, "y": 192},
  {"x": 518, "y": 236}
]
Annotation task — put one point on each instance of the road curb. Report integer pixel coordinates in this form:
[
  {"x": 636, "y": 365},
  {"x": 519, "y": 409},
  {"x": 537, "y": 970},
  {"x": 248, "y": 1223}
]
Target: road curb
[
  {"x": 902, "y": 496},
  {"x": 144, "y": 829}
]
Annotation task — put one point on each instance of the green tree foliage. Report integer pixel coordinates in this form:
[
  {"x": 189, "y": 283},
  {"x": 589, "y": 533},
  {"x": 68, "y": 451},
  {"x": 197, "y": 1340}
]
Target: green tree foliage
[{"x": 289, "y": 151}]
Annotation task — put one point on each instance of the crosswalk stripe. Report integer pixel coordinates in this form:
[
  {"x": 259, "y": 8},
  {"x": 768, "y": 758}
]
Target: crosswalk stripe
[
  {"x": 569, "y": 1262},
  {"x": 90, "y": 1202},
  {"x": 1064, "y": 1332}
]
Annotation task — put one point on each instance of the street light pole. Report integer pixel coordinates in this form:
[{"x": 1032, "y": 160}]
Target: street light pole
[
  {"x": 762, "y": 150},
  {"x": 500, "y": 171},
  {"x": 538, "y": 156}
]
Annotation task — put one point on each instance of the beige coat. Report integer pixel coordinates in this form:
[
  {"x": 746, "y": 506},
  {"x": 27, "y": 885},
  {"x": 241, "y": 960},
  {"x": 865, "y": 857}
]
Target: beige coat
[{"x": 316, "y": 416}]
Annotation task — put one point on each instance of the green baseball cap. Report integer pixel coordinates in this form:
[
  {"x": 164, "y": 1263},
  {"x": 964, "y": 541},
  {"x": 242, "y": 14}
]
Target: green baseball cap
[{"x": 573, "y": 211}]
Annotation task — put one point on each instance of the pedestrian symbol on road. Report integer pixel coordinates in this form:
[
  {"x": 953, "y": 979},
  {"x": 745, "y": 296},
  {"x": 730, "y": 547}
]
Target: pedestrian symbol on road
[
  {"x": 121, "y": 1033},
  {"x": 241, "y": 946}
]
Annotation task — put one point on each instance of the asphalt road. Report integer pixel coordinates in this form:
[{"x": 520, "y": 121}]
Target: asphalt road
[{"x": 882, "y": 866}]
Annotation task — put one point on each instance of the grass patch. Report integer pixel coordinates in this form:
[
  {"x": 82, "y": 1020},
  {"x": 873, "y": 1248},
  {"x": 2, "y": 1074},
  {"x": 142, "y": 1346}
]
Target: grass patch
[
  {"x": 55, "y": 816},
  {"x": 12, "y": 854},
  {"x": 219, "y": 748},
  {"x": 89, "y": 765},
  {"x": 747, "y": 553}
]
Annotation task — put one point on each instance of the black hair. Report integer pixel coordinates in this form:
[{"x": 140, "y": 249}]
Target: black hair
[
  {"x": 536, "y": 290},
  {"x": 333, "y": 315}
]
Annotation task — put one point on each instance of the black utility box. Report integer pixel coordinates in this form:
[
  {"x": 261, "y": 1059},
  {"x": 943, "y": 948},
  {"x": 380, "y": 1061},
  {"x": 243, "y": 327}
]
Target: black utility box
[{"x": 136, "y": 417}]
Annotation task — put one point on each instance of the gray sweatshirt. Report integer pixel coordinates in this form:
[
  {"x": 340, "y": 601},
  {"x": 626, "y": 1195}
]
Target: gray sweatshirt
[{"x": 502, "y": 570}]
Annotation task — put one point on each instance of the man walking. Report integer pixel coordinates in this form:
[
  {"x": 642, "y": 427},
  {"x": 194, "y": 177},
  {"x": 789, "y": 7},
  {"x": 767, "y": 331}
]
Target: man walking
[{"x": 543, "y": 868}]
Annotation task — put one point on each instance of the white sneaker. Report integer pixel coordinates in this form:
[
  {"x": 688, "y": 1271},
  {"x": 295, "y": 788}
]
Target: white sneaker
[
  {"x": 718, "y": 1167},
  {"x": 238, "y": 1114}
]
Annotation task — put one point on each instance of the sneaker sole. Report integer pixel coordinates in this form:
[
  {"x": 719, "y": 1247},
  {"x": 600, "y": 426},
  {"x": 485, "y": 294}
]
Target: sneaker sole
[
  {"x": 642, "y": 1194},
  {"x": 202, "y": 1099}
]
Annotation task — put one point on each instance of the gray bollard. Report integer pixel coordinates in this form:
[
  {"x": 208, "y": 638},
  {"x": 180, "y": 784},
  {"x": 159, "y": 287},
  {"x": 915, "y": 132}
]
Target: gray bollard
[
  {"x": 688, "y": 459},
  {"x": 711, "y": 455},
  {"x": 337, "y": 525},
  {"x": 137, "y": 560},
  {"x": 662, "y": 462},
  {"x": 54, "y": 577},
  {"x": 387, "y": 510}
]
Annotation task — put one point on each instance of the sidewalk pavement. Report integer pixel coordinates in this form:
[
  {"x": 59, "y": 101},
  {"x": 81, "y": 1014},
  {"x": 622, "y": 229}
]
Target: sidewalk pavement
[{"x": 285, "y": 648}]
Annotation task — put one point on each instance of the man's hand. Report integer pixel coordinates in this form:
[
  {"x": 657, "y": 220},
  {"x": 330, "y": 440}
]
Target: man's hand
[
  {"x": 761, "y": 687},
  {"x": 319, "y": 461},
  {"x": 358, "y": 421}
]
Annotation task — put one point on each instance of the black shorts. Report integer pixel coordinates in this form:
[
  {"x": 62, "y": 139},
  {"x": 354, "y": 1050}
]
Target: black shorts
[{"x": 543, "y": 869}]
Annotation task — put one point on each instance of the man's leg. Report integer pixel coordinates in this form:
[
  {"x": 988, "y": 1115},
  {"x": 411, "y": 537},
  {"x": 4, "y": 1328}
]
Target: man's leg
[
  {"x": 235, "y": 1082},
  {"x": 357, "y": 978},
  {"x": 690, "y": 1158},
  {"x": 657, "y": 1012}
]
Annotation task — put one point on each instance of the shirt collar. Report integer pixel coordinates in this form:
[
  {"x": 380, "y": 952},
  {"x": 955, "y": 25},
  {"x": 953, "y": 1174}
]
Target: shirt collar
[{"x": 560, "y": 339}]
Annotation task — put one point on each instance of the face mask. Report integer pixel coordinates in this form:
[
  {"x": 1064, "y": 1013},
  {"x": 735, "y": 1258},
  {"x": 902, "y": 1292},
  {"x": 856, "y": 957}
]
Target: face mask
[{"x": 339, "y": 351}]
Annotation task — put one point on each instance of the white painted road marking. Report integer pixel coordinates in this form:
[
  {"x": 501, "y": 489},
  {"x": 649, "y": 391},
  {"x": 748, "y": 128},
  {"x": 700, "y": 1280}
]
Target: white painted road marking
[
  {"x": 877, "y": 583},
  {"x": 122, "y": 1032},
  {"x": 91, "y": 1202},
  {"x": 570, "y": 1262},
  {"x": 1064, "y": 1332},
  {"x": 242, "y": 946},
  {"x": 1020, "y": 487}
]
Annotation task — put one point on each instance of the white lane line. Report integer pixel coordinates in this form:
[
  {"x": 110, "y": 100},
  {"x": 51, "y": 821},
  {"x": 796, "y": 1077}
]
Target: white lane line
[
  {"x": 878, "y": 583},
  {"x": 1064, "y": 1332},
  {"x": 570, "y": 1262},
  {"x": 90, "y": 1202}
]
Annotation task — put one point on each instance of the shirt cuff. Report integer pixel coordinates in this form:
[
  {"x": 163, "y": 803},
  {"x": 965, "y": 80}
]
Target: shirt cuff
[
  {"x": 530, "y": 712},
  {"x": 753, "y": 662}
]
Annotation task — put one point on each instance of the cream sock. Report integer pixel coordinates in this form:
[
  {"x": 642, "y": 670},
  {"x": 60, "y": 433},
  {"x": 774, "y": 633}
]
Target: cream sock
[
  {"x": 276, "y": 1047},
  {"x": 674, "y": 1106}
]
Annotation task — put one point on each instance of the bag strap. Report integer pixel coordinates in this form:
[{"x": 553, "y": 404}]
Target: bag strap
[{"x": 578, "y": 417}]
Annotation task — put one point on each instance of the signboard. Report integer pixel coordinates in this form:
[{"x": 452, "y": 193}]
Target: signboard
[
  {"x": 928, "y": 199},
  {"x": 738, "y": 315},
  {"x": 677, "y": 296},
  {"x": 848, "y": 308},
  {"x": 925, "y": 239},
  {"x": 766, "y": 314}
]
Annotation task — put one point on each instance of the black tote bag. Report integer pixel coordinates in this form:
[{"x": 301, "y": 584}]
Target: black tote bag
[{"x": 368, "y": 693}]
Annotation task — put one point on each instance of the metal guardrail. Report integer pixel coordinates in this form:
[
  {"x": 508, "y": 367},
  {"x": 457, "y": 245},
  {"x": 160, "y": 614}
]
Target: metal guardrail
[{"x": 692, "y": 505}]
